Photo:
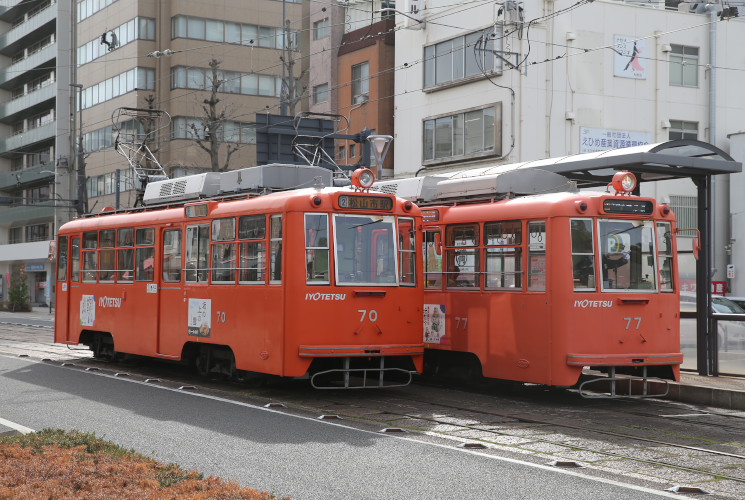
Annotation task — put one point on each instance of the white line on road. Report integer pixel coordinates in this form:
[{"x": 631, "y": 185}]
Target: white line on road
[{"x": 15, "y": 426}]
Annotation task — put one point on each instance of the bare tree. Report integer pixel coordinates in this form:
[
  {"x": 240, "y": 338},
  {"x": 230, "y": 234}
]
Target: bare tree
[{"x": 210, "y": 137}]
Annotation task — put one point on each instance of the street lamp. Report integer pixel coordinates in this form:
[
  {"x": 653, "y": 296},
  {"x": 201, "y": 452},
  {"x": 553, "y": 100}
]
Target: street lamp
[{"x": 380, "y": 145}]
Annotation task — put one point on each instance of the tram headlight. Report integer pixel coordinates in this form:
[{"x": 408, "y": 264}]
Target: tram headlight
[
  {"x": 624, "y": 182},
  {"x": 363, "y": 178}
]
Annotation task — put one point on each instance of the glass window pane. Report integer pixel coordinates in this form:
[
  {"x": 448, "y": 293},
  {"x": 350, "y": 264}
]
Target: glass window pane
[
  {"x": 365, "y": 249},
  {"x": 223, "y": 263},
  {"x": 196, "y": 28},
  {"x": 444, "y": 62},
  {"x": 444, "y": 137},
  {"x": 214, "y": 31},
  {"x": 429, "y": 140},
  {"x": 429, "y": 66}
]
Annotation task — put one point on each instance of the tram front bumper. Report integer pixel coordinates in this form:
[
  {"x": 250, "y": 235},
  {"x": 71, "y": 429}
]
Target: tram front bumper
[
  {"x": 331, "y": 351},
  {"x": 675, "y": 358}
]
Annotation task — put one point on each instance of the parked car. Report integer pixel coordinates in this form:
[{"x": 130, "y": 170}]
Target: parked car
[
  {"x": 731, "y": 333},
  {"x": 740, "y": 301}
]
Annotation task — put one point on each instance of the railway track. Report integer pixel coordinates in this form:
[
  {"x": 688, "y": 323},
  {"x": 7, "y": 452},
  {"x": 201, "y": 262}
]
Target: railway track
[{"x": 647, "y": 439}]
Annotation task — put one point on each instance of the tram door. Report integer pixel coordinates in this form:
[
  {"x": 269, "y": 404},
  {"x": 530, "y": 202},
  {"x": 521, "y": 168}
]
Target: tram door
[
  {"x": 196, "y": 303},
  {"x": 62, "y": 295},
  {"x": 171, "y": 295}
]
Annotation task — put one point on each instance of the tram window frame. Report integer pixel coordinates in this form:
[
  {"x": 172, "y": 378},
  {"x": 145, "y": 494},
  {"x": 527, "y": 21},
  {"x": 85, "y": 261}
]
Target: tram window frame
[
  {"x": 665, "y": 239},
  {"x": 504, "y": 248},
  {"x": 537, "y": 255},
  {"x": 625, "y": 244},
  {"x": 583, "y": 258},
  {"x": 62, "y": 263},
  {"x": 125, "y": 255},
  {"x": 75, "y": 259},
  {"x": 198, "y": 255},
  {"x": 90, "y": 257},
  {"x": 317, "y": 248},
  {"x": 172, "y": 255},
  {"x": 252, "y": 249},
  {"x": 106, "y": 266},
  {"x": 144, "y": 250},
  {"x": 223, "y": 255},
  {"x": 459, "y": 246},
  {"x": 431, "y": 243},
  {"x": 275, "y": 246},
  {"x": 406, "y": 256}
]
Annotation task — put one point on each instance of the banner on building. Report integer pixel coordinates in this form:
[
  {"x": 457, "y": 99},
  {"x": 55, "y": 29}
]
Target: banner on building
[
  {"x": 629, "y": 59},
  {"x": 601, "y": 139}
]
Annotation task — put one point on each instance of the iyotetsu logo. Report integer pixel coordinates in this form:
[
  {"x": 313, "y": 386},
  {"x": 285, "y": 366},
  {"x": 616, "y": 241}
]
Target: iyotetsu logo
[{"x": 585, "y": 304}]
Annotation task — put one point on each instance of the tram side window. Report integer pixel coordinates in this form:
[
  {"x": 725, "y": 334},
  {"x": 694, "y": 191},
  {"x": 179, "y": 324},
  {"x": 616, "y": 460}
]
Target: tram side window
[
  {"x": 62, "y": 259},
  {"x": 145, "y": 254},
  {"x": 252, "y": 253},
  {"x": 317, "y": 248},
  {"x": 172, "y": 255},
  {"x": 223, "y": 254},
  {"x": 627, "y": 249},
  {"x": 407, "y": 251},
  {"x": 665, "y": 256},
  {"x": 583, "y": 254},
  {"x": 75, "y": 257},
  {"x": 503, "y": 254},
  {"x": 197, "y": 253},
  {"x": 90, "y": 256},
  {"x": 126, "y": 255},
  {"x": 275, "y": 229},
  {"x": 462, "y": 256},
  {"x": 432, "y": 260},
  {"x": 107, "y": 256},
  {"x": 537, "y": 256}
]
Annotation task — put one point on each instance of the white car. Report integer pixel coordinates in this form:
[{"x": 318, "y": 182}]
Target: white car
[
  {"x": 740, "y": 301},
  {"x": 731, "y": 333}
]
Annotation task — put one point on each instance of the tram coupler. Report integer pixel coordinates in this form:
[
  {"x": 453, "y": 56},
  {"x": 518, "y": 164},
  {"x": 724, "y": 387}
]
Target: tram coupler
[
  {"x": 629, "y": 381},
  {"x": 360, "y": 378}
]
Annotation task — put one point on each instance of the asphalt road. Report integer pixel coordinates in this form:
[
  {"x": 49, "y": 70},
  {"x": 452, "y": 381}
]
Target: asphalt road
[{"x": 302, "y": 457}]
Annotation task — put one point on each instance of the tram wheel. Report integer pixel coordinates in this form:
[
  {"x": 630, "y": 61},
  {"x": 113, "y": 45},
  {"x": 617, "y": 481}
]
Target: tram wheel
[{"x": 202, "y": 362}]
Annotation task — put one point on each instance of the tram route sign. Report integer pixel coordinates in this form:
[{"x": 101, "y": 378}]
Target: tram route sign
[{"x": 365, "y": 202}]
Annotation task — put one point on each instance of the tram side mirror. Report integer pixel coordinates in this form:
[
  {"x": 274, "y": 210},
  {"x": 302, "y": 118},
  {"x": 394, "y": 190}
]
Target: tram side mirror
[{"x": 696, "y": 243}]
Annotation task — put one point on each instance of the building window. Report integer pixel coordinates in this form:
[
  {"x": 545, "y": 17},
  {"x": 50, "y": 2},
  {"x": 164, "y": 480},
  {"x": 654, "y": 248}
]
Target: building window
[
  {"x": 321, "y": 29},
  {"x": 222, "y": 31},
  {"x": 683, "y": 130},
  {"x": 139, "y": 28},
  {"x": 320, "y": 93},
  {"x": 16, "y": 235},
  {"x": 233, "y": 82},
  {"x": 463, "y": 134},
  {"x": 462, "y": 57},
  {"x": 686, "y": 213},
  {"x": 230, "y": 131},
  {"x": 134, "y": 79},
  {"x": 684, "y": 66},
  {"x": 360, "y": 83},
  {"x": 37, "y": 232}
]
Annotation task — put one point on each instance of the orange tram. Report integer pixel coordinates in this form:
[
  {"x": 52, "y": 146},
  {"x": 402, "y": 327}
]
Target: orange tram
[
  {"x": 537, "y": 288},
  {"x": 321, "y": 283}
]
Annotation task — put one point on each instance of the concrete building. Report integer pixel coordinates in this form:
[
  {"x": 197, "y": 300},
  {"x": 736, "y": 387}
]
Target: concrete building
[
  {"x": 35, "y": 150},
  {"x": 543, "y": 79},
  {"x": 159, "y": 54}
]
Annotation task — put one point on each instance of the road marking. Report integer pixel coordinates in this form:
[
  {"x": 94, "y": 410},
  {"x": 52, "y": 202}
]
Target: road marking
[
  {"x": 687, "y": 415},
  {"x": 15, "y": 426}
]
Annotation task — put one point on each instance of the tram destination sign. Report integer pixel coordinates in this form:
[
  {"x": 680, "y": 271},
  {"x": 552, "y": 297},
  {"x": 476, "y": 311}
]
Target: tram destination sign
[
  {"x": 365, "y": 202},
  {"x": 625, "y": 206}
]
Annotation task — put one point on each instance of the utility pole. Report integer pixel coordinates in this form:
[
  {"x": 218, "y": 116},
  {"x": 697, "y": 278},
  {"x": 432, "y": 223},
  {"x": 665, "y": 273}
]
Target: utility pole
[{"x": 82, "y": 204}]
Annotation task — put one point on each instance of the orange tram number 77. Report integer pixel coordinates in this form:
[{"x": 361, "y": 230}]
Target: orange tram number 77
[{"x": 322, "y": 284}]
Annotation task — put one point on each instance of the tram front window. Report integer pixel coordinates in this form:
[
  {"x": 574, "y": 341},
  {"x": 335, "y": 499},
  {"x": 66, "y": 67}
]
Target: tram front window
[
  {"x": 627, "y": 253},
  {"x": 365, "y": 249}
]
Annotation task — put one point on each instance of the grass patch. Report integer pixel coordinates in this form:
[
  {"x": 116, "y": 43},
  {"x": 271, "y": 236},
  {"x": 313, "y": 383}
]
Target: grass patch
[{"x": 57, "y": 464}]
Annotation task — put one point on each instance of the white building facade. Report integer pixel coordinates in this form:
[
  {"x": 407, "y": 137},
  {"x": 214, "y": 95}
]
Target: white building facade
[{"x": 481, "y": 84}]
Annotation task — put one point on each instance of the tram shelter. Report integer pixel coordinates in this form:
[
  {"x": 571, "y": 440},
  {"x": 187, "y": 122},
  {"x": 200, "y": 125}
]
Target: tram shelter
[{"x": 692, "y": 159}]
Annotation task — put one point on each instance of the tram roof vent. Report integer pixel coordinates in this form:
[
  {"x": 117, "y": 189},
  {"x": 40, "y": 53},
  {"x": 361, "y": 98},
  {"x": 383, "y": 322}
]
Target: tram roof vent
[
  {"x": 415, "y": 189},
  {"x": 261, "y": 179},
  {"x": 515, "y": 182},
  {"x": 274, "y": 177},
  {"x": 182, "y": 188}
]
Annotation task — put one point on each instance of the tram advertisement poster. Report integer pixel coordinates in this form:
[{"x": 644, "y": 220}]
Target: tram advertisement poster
[
  {"x": 434, "y": 323},
  {"x": 200, "y": 317},
  {"x": 88, "y": 310}
]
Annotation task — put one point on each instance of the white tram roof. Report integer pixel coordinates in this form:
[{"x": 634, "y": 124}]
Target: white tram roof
[{"x": 261, "y": 179}]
